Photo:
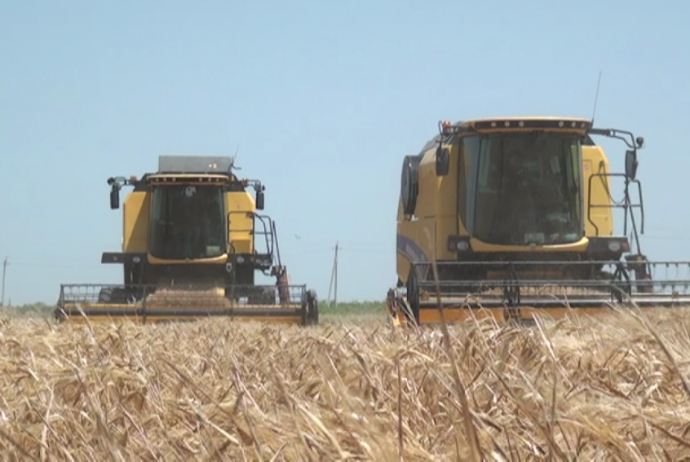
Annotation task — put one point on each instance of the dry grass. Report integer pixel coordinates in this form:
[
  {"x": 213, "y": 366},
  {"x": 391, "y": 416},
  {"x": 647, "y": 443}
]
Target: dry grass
[{"x": 589, "y": 390}]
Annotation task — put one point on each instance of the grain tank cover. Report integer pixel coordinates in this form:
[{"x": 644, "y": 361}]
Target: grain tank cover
[{"x": 194, "y": 164}]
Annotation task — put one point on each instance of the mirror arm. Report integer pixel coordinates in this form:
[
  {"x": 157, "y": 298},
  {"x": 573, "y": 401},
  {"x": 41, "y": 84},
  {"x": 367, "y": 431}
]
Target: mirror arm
[
  {"x": 256, "y": 184},
  {"x": 634, "y": 143},
  {"x": 259, "y": 190},
  {"x": 627, "y": 137},
  {"x": 116, "y": 184},
  {"x": 120, "y": 181}
]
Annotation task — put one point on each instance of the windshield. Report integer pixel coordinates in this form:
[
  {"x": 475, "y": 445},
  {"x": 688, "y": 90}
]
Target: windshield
[
  {"x": 187, "y": 222},
  {"x": 522, "y": 188}
]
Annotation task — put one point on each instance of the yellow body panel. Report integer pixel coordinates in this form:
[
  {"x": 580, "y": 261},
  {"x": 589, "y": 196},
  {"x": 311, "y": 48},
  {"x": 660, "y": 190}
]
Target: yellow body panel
[
  {"x": 435, "y": 218},
  {"x": 594, "y": 161},
  {"x": 579, "y": 246},
  {"x": 152, "y": 306},
  {"x": 420, "y": 245},
  {"x": 136, "y": 211},
  {"x": 525, "y": 314},
  {"x": 152, "y": 314},
  {"x": 239, "y": 205},
  {"x": 200, "y": 261},
  {"x": 152, "y": 317},
  {"x": 424, "y": 235},
  {"x": 296, "y": 320},
  {"x": 163, "y": 290}
]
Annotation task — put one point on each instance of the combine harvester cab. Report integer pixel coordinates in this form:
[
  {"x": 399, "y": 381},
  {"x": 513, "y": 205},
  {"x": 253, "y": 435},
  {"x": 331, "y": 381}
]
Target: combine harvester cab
[
  {"x": 510, "y": 217},
  {"x": 192, "y": 244}
]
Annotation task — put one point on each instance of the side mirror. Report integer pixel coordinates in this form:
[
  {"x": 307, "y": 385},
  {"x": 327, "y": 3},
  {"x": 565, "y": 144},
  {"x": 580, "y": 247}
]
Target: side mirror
[
  {"x": 442, "y": 161},
  {"x": 114, "y": 198},
  {"x": 259, "y": 200},
  {"x": 631, "y": 164}
]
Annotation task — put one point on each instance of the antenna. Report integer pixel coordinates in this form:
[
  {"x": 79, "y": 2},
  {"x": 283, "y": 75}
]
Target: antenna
[
  {"x": 334, "y": 279},
  {"x": 4, "y": 270},
  {"x": 234, "y": 159},
  {"x": 596, "y": 98}
]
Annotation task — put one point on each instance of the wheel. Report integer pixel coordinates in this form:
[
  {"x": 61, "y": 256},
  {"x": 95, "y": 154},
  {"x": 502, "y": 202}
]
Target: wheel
[
  {"x": 261, "y": 296},
  {"x": 312, "y": 317},
  {"x": 116, "y": 295},
  {"x": 409, "y": 183},
  {"x": 105, "y": 295},
  {"x": 59, "y": 315},
  {"x": 412, "y": 297}
]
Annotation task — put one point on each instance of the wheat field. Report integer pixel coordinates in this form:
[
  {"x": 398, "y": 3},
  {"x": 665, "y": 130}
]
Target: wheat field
[{"x": 575, "y": 389}]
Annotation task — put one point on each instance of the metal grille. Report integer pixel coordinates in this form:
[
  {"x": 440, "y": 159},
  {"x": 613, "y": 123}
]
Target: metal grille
[
  {"x": 582, "y": 283},
  {"x": 142, "y": 300}
]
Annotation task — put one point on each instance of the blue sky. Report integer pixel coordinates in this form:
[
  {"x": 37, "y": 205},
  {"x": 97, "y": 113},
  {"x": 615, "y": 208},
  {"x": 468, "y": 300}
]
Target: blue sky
[{"x": 324, "y": 99}]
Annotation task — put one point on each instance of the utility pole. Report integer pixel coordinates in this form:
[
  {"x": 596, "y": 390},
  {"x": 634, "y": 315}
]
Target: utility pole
[
  {"x": 4, "y": 271},
  {"x": 334, "y": 280}
]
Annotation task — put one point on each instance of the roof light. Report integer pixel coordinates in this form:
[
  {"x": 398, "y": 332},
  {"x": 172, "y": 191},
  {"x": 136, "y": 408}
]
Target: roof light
[
  {"x": 546, "y": 123},
  {"x": 446, "y": 127}
]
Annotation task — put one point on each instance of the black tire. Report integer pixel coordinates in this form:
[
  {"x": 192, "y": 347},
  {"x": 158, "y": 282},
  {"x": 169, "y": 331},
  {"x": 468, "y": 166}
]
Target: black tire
[
  {"x": 412, "y": 297},
  {"x": 261, "y": 296},
  {"x": 113, "y": 295},
  {"x": 105, "y": 295},
  {"x": 312, "y": 306},
  {"x": 409, "y": 183},
  {"x": 59, "y": 315}
]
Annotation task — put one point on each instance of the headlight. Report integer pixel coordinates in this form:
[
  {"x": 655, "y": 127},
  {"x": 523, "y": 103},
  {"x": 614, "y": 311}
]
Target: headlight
[{"x": 458, "y": 244}]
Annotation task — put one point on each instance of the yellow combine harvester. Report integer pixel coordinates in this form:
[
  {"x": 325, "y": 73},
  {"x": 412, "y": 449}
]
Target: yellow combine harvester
[
  {"x": 516, "y": 214},
  {"x": 189, "y": 250}
]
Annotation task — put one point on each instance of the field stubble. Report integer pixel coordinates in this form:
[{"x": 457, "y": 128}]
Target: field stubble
[{"x": 609, "y": 389}]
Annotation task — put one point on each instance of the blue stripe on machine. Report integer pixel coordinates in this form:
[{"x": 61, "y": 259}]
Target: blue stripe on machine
[{"x": 411, "y": 250}]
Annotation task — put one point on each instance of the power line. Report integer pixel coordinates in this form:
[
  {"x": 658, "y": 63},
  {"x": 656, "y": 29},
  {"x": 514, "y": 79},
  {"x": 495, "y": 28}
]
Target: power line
[
  {"x": 666, "y": 238},
  {"x": 57, "y": 265},
  {"x": 356, "y": 250}
]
